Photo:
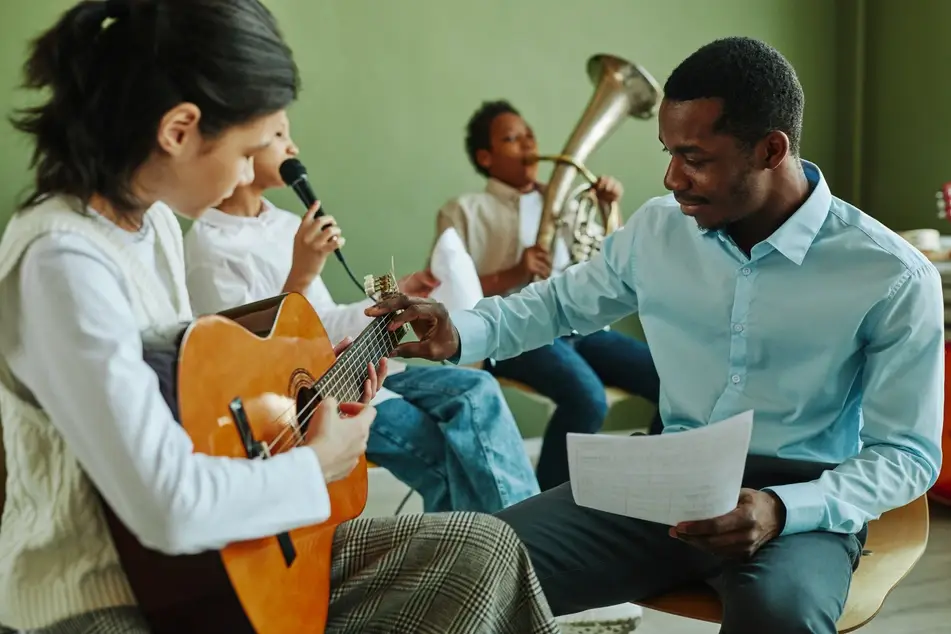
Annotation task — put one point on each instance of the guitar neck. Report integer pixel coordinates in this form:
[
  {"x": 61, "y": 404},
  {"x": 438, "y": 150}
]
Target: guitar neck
[{"x": 345, "y": 379}]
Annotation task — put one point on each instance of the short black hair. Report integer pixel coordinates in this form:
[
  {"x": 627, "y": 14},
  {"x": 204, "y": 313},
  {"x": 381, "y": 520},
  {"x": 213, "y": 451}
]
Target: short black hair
[
  {"x": 111, "y": 70},
  {"x": 758, "y": 86},
  {"x": 478, "y": 130}
]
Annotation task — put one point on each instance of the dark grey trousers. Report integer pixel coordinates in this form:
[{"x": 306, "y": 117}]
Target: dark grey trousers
[{"x": 586, "y": 559}]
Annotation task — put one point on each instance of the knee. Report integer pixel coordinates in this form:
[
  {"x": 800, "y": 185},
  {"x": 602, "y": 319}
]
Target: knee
[
  {"x": 477, "y": 383},
  {"x": 588, "y": 405},
  {"x": 792, "y": 607},
  {"x": 485, "y": 537}
]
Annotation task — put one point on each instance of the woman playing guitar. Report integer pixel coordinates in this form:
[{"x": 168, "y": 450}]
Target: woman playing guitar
[{"x": 166, "y": 100}]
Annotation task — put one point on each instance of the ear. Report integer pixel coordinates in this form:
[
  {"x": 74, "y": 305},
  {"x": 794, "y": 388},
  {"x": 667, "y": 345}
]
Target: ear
[
  {"x": 775, "y": 149},
  {"x": 484, "y": 159},
  {"x": 179, "y": 128}
]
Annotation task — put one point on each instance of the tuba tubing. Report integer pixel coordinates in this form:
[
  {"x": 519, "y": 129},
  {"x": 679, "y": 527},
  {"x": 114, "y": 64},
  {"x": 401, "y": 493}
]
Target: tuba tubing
[{"x": 622, "y": 89}]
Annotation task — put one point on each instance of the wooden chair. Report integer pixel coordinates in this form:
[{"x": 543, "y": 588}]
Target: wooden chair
[
  {"x": 613, "y": 394},
  {"x": 895, "y": 543}
]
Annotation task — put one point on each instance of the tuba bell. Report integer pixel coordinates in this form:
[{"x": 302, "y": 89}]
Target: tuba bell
[{"x": 622, "y": 89}]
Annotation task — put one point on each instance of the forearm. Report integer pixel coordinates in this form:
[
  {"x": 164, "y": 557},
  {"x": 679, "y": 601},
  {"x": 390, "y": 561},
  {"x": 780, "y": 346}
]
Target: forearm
[
  {"x": 902, "y": 411},
  {"x": 502, "y": 282},
  {"x": 584, "y": 299},
  {"x": 842, "y": 500},
  {"x": 297, "y": 283}
]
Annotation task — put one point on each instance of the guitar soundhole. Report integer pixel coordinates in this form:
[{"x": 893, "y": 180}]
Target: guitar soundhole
[
  {"x": 302, "y": 386},
  {"x": 307, "y": 402}
]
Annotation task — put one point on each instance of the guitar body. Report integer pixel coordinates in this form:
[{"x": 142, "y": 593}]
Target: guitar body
[{"x": 261, "y": 586}]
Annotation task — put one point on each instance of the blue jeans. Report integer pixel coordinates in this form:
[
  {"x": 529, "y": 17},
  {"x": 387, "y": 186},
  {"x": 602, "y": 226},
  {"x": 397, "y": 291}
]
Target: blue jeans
[
  {"x": 573, "y": 372},
  {"x": 584, "y": 559},
  {"x": 452, "y": 439}
]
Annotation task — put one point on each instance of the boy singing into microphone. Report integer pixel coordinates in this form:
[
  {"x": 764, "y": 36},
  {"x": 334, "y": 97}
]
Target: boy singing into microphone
[{"x": 445, "y": 432}]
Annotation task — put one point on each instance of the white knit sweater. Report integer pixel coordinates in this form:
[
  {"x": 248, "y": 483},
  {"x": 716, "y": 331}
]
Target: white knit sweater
[{"x": 56, "y": 555}]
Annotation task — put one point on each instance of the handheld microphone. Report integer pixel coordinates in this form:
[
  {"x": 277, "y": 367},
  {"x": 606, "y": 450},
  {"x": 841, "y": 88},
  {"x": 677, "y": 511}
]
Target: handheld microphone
[{"x": 294, "y": 175}]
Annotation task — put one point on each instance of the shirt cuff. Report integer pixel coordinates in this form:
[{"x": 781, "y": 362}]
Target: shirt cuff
[
  {"x": 805, "y": 506},
  {"x": 473, "y": 336},
  {"x": 314, "y": 494}
]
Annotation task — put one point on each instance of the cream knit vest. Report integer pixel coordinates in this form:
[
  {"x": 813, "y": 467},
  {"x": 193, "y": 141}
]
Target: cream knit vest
[{"x": 57, "y": 558}]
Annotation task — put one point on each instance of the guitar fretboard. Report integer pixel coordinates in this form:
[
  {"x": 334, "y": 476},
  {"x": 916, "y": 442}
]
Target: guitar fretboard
[{"x": 345, "y": 379}]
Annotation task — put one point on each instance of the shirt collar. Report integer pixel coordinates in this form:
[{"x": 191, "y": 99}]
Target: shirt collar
[
  {"x": 797, "y": 234},
  {"x": 218, "y": 218},
  {"x": 508, "y": 194}
]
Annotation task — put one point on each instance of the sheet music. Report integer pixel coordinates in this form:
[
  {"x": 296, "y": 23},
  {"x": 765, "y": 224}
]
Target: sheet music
[
  {"x": 451, "y": 264},
  {"x": 670, "y": 478}
]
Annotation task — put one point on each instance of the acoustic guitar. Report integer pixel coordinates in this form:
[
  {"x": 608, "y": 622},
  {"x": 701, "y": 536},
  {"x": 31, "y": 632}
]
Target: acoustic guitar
[{"x": 216, "y": 373}]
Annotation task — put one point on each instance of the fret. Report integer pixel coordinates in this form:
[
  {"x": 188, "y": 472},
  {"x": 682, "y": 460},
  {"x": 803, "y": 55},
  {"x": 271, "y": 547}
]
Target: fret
[{"x": 345, "y": 380}]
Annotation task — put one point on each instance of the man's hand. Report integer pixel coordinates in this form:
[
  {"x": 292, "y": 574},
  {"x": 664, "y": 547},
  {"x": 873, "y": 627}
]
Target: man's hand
[
  {"x": 759, "y": 516},
  {"x": 339, "y": 438},
  {"x": 608, "y": 190},
  {"x": 418, "y": 284},
  {"x": 438, "y": 339},
  {"x": 375, "y": 377}
]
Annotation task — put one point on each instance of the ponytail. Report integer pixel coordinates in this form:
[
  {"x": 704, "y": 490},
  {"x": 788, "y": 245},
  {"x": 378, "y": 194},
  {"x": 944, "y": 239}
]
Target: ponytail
[{"x": 113, "y": 68}]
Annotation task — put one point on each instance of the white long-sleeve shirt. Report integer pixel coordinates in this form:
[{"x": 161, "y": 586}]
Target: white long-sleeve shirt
[{"x": 81, "y": 357}]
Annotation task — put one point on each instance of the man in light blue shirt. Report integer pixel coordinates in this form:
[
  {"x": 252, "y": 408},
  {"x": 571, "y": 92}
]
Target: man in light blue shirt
[{"x": 757, "y": 289}]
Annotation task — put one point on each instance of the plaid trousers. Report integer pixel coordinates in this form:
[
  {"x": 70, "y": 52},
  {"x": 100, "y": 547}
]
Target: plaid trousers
[{"x": 444, "y": 573}]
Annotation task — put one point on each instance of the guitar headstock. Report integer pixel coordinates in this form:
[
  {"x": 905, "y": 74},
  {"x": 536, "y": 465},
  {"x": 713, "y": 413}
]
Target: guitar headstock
[
  {"x": 379, "y": 288},
  {"x": 943, "y": 198}
]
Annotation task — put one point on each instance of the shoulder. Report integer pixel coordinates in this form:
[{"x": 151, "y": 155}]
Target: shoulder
[
  {"x": 867, "y": 238},
  {"x": 73, "y": 268},
  {"x": 62, "y": 250},
  {"x": 466, "y": 203},
  {"x": 656, "y": 216}
]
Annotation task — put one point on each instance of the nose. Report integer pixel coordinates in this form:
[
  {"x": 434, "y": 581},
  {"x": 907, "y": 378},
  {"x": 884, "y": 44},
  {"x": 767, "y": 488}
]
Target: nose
[
  {"x": 528, "y": 144},
  {"x": 293, "y": 150},
  {"x": 674, "y": 179}
]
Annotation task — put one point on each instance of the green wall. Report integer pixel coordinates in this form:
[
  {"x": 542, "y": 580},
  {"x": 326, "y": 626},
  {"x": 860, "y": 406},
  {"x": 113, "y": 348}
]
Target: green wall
[
  {"x": 388, "y": 87},
  {"x": 907, "y": 118}
]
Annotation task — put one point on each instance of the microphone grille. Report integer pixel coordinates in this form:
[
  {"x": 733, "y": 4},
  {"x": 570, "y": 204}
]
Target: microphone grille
[{"x": 292, "y": 170}]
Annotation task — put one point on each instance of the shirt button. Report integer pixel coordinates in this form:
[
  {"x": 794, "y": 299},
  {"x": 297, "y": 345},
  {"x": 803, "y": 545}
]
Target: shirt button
[
  {"x": 738, "y": 327},
  {"x": 735, "y": 378},
  {"x": 747, "y": 271}
]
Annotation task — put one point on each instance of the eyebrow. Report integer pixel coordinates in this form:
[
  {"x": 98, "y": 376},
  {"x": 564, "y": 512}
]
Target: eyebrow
[{"x": 684, "y": 149}]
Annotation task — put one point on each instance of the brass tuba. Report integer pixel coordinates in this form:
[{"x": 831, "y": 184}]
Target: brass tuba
[{"x": 622, "y": 89}]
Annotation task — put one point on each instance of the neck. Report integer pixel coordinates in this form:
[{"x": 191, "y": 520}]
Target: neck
[
  {"x": 789, "y": 194},
  {"x": 246, "y": 201},
  {"x": 522, "y": 188},
  {"x": 130, "y": 221}
]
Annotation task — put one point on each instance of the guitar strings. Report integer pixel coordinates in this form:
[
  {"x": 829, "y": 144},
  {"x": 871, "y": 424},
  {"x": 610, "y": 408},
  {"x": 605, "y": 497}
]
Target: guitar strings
[
  {"x": 348, "y": 376},
  {"x": 341, "y": 383},
  {"x": 346, "y": 370}
]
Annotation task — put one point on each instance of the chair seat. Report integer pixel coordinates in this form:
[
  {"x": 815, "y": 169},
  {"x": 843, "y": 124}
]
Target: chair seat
[
  {"x": 614, "y": 394},
  {"x": 895, "y": 543}
]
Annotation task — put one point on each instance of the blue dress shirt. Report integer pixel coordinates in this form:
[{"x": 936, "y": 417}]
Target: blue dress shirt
[{"x": 832, "y": 331}]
